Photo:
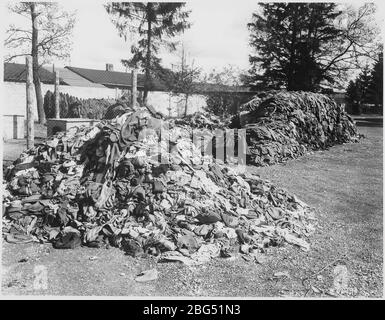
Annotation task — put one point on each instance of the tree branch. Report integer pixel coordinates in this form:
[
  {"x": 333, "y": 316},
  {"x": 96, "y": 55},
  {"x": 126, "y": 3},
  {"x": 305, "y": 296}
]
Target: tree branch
[{"x": 10, "y": 58}]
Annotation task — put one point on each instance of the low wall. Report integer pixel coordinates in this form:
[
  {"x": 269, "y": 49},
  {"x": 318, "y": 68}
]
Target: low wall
[
  {"x": 14, "y": 99},
  {"x": 174, "y": 105}
]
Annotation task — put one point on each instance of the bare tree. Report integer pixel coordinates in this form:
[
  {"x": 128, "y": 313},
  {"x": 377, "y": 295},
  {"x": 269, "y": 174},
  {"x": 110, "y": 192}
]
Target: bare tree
[
  {"x": 184, "y": 77},
  {"x": 358, "y": 43},
  {"x": 226, "y": 98},
  {"x": 49, "y": 36}
]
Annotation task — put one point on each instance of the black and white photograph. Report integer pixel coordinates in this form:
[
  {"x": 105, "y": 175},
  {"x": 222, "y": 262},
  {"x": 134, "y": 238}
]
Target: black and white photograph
[{"x": 192, "y": 150}]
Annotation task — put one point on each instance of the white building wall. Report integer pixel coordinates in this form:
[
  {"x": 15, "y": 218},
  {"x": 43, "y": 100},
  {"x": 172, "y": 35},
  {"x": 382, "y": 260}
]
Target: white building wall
[
  {"x": 14, "y": 99},
  {"x": 174, "y": 105},
  {"x": 14, "y": 96},
  {"x": 90, "y": 92}
]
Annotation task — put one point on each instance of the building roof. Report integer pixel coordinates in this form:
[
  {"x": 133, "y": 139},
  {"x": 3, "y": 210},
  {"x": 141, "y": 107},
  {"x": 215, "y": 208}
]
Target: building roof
[
  {"x": 107, "y": 78},
  {"x": 73, "y": 79},
  {"x": 83, "y": 77},
  {"x": 116, "y": 79},
  {"x": 16, "y": 72}
]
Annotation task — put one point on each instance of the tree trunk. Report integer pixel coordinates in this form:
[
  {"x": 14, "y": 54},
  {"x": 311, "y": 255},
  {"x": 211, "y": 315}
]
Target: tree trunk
[
  {"x": 148, "y": 54},
  {"x": 57, "y": 95},
  {"x": 29, "y": 113},
  {"x": 185, "y": 104},
  {"x": 290, "y": 72},
  {"x": 35, "y": 66}
]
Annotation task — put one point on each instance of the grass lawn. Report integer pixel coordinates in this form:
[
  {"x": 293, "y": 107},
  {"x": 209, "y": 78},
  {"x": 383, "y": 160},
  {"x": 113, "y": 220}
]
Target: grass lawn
[{"x": 344, "y": 185}]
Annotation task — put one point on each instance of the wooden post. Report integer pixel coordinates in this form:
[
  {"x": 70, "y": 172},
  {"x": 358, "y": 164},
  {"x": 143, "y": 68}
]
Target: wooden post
[
  {"x": 57, "y": 95},
  {"x": 29, "y": 111},
  {"x": 134, "y": 91}
]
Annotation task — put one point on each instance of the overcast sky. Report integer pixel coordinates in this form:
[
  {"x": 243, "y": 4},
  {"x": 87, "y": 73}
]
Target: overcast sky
[{"x": 218, "y": 36}]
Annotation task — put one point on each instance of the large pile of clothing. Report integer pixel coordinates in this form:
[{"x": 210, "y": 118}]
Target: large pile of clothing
[
  {"x": 126, "y": 182},
  {"x": 200, "y": 120},
  {"x": 283, "y": 125}
]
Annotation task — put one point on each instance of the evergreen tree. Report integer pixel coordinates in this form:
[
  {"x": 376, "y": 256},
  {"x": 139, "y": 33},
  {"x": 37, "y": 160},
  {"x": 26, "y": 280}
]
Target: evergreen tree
[
  {"x": 153, "y": 23},
  {"x": 354, "y": 95},
  {"x": 300, "y": 45},
  {"x": 365, "y": 89},
  {"x": 287, "y": 37},
  {"x": 375, "y": 90},
  {"x": 365, "y": 80}
]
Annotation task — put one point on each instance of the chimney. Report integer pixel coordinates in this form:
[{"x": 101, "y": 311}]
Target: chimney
[{"x": 109, "y": 67}]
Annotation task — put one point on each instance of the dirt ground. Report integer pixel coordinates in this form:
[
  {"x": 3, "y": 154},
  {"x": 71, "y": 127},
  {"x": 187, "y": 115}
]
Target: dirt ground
[
  {"x": 344, "y": 185},
  {"x": 13, "y": 147}
]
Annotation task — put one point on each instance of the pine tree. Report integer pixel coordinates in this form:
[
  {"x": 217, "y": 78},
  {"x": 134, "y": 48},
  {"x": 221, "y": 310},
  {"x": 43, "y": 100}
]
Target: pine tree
[
  {"x": 300, "y": 45},
  {"x": 375, "y": 90},
  {"x": 286, "y": 37},
  {"x": 154, "y": 23},
  {"x": 364, "y": 89},
  {"x": 365, "y": 80}
]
